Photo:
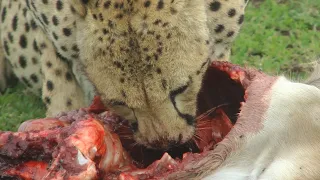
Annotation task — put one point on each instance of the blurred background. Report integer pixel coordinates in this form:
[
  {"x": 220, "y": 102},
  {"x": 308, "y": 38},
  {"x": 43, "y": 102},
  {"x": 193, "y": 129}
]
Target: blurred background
[{"x": 280, "y": 37}]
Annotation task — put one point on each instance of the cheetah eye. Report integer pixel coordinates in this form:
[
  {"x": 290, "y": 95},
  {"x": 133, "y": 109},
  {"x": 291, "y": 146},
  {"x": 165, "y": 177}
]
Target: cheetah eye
[{"x": 117, "y": 103}]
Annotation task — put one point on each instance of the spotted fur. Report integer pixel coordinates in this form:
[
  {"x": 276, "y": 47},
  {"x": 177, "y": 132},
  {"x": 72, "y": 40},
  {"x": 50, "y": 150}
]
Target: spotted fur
[{"x": 145, "y": 58}]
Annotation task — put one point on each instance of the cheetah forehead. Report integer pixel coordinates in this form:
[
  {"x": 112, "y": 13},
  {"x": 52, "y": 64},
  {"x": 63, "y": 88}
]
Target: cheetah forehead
[{"x": 137, "y": 43}]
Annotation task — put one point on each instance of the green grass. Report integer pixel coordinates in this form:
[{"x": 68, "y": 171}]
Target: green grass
[
  {"x": 279, "y": 38},
  {"x": 17, "y": 106}
]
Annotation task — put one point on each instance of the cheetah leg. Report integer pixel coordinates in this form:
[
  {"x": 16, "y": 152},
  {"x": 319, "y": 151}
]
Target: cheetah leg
[
  {"x": 6, "y": 74},
  {"x": 3, "y": 81},
  {"x": 225, "y": 19},
  {"x": 60, "y": 90}
]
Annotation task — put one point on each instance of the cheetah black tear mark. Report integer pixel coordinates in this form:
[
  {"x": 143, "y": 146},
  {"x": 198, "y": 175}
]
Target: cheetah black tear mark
[{"x": 189, "y": 118}]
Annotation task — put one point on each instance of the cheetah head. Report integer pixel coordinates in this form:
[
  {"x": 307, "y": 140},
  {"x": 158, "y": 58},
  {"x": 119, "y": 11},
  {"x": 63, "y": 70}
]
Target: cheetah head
[{"x": 146, "y": 59}]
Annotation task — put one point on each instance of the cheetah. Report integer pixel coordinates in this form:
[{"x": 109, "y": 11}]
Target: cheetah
[{"x": 144, "y": 58}]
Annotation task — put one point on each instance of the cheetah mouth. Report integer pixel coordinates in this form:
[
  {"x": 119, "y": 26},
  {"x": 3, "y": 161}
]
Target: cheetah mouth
[{"x": 92, "y": 143}]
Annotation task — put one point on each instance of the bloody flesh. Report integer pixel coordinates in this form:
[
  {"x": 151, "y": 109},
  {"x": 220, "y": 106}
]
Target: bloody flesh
[{"x": 92, "y": 143}]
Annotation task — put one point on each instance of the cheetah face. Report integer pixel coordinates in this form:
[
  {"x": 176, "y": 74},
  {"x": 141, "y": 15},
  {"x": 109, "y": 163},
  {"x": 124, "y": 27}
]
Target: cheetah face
[
  {"x": 162, "y": 125},
  {"x": 146, "y": 59}
]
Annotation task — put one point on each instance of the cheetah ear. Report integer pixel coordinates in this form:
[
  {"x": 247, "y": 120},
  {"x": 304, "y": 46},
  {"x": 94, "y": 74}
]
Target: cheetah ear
[{"x": 81, "y": 6}]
